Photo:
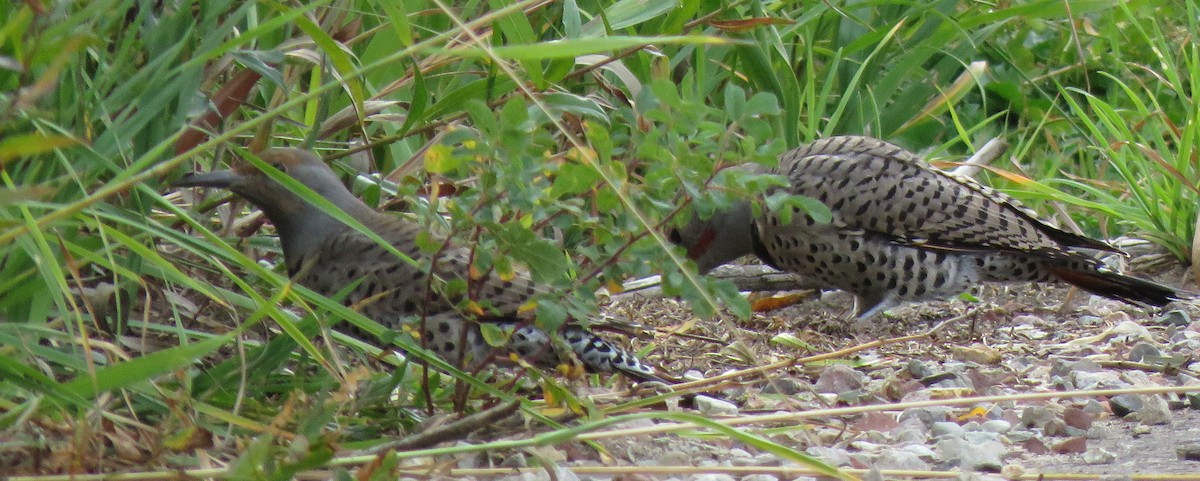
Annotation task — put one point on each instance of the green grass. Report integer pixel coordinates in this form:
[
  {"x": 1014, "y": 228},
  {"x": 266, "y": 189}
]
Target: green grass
[{"x": 575, "y": 130}]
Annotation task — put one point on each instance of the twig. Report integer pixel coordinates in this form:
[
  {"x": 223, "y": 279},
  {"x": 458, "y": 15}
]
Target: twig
[
  {"x": 782, "y": 471},
  {"x": 455, "y": 430},
  {"x": 703, "y": 384},
  {"x": 990, "y": 151},
  {"x": 1141, "y": 366},
  {"x": 747, "y": 278}
]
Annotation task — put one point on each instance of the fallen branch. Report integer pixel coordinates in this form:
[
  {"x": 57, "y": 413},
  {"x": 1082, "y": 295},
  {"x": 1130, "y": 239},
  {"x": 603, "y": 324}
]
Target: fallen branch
[
  {"x": 747, "y": 278},
  {"x": 453, "y": 431}
]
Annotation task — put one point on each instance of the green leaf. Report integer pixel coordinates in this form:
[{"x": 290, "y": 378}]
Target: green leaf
[
  {"x": 574, "y": 179},
  {"x": 493, "y": 334},
  {"x": 564, "y": 49},
  {"x": 790, "y": 340},
  {"x": 786, "y": 204},
  {"x": 127, "y": 374},
  {"x": 550, "y": 315},
  {"x": 440, "y": 159},
  {"x": 544, "y": 260},
  {"x": 26, "y": 377},
  {"x": 17, "y": 146},
  {"x": 398, "y": 19}
]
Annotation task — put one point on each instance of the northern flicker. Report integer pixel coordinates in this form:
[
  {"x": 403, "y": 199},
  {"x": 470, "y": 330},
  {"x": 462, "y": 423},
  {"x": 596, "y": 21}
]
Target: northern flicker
[
  {"x": 903, "y": 231},
  {"x": 326, "y": 255}
]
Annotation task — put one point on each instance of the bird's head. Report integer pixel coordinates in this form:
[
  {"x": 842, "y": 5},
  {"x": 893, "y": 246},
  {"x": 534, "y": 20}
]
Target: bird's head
[
  {"x": 722, "y": 237},
  {"x": 300, "y": 223},
  {"x": 254, "y": 185}
]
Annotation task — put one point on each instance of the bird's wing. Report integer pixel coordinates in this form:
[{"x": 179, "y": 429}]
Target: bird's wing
[
  {"x": 885, "y": 190},
  {"x": 393, "y": 287}
]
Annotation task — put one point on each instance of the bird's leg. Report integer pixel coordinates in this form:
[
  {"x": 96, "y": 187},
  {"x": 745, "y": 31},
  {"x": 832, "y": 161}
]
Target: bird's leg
[{"x": 868, "y": 306}]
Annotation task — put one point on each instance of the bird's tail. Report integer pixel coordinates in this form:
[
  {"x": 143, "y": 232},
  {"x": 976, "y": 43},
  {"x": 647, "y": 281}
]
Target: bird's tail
[
  {"x": 1102, "y": 280},
  {"x": 601, "y": 355},
  {"x": 596, "y": 353}
]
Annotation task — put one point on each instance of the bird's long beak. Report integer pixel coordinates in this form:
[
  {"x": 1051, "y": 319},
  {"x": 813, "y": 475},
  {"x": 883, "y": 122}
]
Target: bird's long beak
[{"x": 223, "y": 179}]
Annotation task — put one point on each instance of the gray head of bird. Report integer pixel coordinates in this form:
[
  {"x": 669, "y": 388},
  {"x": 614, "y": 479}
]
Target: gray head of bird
[
  {"x": 722, "y": 237},
  {"x": 301, "y": 225}
]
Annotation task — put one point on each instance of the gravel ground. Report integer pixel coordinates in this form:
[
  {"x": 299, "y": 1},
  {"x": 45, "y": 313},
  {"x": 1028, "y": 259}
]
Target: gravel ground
[{"x": 1018, "y": 339}]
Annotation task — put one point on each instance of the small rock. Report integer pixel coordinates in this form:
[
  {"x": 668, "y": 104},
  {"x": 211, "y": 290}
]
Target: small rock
[
  {"x": 980, "y": 437},
  {"x": 470, "y": 461},
  {"x": 1012, "y": 471},
  {"x": 693, "y": 375},
  {"x": 1065, "y": 367},
  {"x": 1144, "y": 352},
  {"x": 927, "y": 415},
  {"x": 1098, "y": 455},
  {"x": 1193, "y": 400},
  {"x": 1099, "y": 431},
  {"x": 767, "y": 459},
  {"x": 1141, "y": 430},
  {"x": 896, "y": 388},
  {"x": 1027, "y": 320},
  {"x": 921, "y": 451},
  {"x": 985, "y": 456},
  {"x": 1155, "y": 411},
  {"x": 1092, "y": 406},
  {"x": 1086, "y": 380},
  {"x": 1018, "y": 436},
  {"x": 946, "y": 428},
  {"x": 759, "y": 477},
  {"x": 940, "y": 378},
  {"x": 1185, "y": 346},
  {"x": 1175, "y": 318},
  {"x": 900, "y": 459},
  {"x": 740, "y": 457},
  {"x": 785, "y": 385},
  {"x": 840, "y": 378},
  {"x": 1137, "y": 379},
  {"x": 1125, "y": 404},
  {"x": 918, "y": 369},
  {"x": 1128, "y": 332},
  {"x": 833, "y": 456},
  {"x": 671, "y": 458},
  {"x": 1071, "y": 446},
  {"x": 1188, "y": 451},
  {"x": 517, "y": 460},
  {"x": 876, "y": 422},
  {"x": 1055, "y": 428},
  {"x": 996, "y": 426},
  {"x": 977, "y": 353},
  {"x": 1038, "y": 416},
  {"x": 1077, "y": 418},
  {"x": 910, "y": 432},
  {"x": 1035, "y": 446},
  {"x": 1184, "y": 379},
  {"x": 709, "y": 406}
]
